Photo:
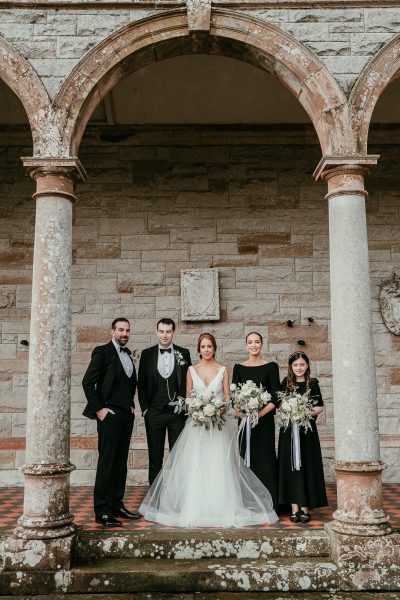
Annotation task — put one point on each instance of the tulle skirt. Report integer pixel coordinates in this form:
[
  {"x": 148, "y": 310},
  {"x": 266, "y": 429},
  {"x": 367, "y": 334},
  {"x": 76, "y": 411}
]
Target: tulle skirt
[{"x": 205, "y": 483}]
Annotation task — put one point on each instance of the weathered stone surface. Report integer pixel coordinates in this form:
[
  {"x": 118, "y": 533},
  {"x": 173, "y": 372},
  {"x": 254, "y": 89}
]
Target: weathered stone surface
[{"x": 200, "y": 295}]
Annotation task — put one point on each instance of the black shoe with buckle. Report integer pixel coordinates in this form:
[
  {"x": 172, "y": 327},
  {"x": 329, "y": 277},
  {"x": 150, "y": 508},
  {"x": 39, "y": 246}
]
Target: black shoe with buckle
[
  {"x": 304, "y": 517},
  {"x": 124, "y": 513},
  {"x": 107, "y": 521},
  {"x": 295, "y": 517}
]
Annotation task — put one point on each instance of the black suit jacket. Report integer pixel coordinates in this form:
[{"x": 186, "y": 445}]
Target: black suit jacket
[
  {"x": 102, "y": 379},
  {"x": 147, "y": 379}
]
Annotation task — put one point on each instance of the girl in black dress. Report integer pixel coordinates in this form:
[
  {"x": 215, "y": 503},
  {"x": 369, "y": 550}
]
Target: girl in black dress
[
  {"x": 263, "y": 461},
  {"x": 305, "y": 488}
]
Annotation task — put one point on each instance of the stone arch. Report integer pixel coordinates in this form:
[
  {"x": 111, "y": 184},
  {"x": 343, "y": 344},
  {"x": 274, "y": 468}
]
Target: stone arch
[
  {"x": 373, "y": 80},
  {"x": 21, "y": 78},
  {"x": 167, "y": 35}
]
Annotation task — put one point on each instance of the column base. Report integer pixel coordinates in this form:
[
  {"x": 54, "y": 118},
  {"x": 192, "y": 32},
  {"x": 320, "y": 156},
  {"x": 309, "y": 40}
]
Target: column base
[
  {"x": 44, "y": 529},
  {"x": 359, "y": 494},
  {"x": 366, "y": 562},
  {"x": 46, "y": 503},
  {"x": 37, "y": 555}
]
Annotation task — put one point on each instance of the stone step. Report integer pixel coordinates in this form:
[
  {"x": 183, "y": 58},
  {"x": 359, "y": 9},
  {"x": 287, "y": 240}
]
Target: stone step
[
  {"x": 221, "y": 596},
  {"x": 131, "y": 575},
  {"x": 207, "y": 575},
  {"x": 200, "y": 544}
]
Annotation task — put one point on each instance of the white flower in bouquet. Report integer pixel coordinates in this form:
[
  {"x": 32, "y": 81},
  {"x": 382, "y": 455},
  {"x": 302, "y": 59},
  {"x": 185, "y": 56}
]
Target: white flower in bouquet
[
  {"x": 253, "y": 403},
  {"x": 194, "y": 403},
  {"x": 209, "y": 410},
  {"x": 219, "y": 402},
  {"x": 294, "y": 408}
]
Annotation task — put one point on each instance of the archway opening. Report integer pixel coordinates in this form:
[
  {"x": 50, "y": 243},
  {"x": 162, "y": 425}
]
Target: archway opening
[
  {"x": 383, "y": 222},
  {"x": 196, "y": 161},
  {"x": 17, "y": 218}
]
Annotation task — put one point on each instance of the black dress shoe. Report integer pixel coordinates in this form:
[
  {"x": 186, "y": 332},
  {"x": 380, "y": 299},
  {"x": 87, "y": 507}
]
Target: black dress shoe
[
  {"x": 124, "y": 513},
  {"x": 108, "y": 521},
  {"x": 304, "y": 517},
  {"x": 295, "y": 517}
]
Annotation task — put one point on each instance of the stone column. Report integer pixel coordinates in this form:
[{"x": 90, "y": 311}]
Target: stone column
[
  {"x": 46, "y": 502},
  {"x": 358, "y": 466}
]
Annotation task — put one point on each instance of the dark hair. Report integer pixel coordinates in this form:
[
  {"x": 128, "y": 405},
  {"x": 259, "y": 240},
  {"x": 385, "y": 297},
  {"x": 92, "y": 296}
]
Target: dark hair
[
  {"x": 166, "y": 321},
  {"x": 291, "y": 377},
  {"x": 254, "y": 333},
  {"x": 206, "y": 336},
  {"x": 114, "y": 323}
]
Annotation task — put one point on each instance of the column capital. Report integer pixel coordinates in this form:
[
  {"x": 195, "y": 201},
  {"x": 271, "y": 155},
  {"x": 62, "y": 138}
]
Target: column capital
[
  {"x": 329, "y": 165},
  {"x": 70, "y": 168}
]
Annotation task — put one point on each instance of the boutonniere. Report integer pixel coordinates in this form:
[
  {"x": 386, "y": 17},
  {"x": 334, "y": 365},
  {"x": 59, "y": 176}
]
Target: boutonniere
[
  {"x": 134, "y": 356},
  {"x": 179, "y": 358}
]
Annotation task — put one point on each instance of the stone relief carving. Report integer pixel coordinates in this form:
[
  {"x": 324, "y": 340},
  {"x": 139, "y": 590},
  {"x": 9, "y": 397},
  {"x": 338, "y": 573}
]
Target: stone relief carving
[
  {"x": 389, "y": 300},
  {"x": 200, "y": 295}
]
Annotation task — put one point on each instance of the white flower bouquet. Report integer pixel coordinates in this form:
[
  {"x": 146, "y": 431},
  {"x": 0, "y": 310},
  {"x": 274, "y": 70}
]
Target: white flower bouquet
[
  {"x": 294, "y": 408},
  {"x": 204, "y": 409},
  {"x": 249, "y": 398}
]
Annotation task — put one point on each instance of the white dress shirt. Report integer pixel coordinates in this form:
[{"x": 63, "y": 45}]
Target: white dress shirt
[
  {"x": 166, "y": 361},
  {"x": 124, "y": 358}
]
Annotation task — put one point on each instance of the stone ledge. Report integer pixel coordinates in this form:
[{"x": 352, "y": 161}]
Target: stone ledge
[{"x": 167, "y": 4}]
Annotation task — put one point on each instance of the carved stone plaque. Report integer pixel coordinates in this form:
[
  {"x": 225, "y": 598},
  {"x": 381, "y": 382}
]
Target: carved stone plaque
[
  {"x": 389, "y": 300},
  {"x": 200, "y": 295}
]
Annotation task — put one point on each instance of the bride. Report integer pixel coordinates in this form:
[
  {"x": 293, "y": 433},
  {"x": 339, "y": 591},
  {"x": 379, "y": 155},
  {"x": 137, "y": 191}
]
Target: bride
[{"x": 204, "y": 481}]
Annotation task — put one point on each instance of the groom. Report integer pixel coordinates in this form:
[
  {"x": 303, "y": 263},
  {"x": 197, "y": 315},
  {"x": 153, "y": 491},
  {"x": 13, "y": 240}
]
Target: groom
[{"x": 162, "y": 377}]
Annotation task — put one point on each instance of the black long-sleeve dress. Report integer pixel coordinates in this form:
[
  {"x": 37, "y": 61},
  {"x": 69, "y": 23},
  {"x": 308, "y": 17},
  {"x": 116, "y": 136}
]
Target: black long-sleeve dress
[
  {"x": 263, "y": 461},
  {"x": 305, "y": 487}
]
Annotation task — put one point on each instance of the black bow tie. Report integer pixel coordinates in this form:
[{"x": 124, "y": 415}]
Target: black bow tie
[
  {"x": 162, "y": 350},
  {"x": 124, "y": 350}
]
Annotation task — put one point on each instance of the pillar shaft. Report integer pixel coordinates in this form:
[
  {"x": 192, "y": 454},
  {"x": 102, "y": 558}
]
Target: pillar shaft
[
  {"x": 358, "y": 465},
  {"x": 47, "y": 465},
  {"x": 353, "y": 360}
]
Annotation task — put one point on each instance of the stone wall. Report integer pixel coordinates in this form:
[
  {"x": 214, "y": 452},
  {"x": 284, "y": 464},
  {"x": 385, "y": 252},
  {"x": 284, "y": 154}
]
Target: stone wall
[
  {"x": 162, "y": 199},
  {"x": 54, "y": 40}
]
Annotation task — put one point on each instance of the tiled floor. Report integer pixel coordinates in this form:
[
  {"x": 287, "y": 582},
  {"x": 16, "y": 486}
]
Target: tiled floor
[{"x": 11, "y": 503}]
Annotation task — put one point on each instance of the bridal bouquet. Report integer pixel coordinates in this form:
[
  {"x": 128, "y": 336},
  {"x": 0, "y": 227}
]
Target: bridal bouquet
[
  {"x": 204, "y": 409},
  {"x": 294, "y": 408},
  {"x": 249, "y": 398}
]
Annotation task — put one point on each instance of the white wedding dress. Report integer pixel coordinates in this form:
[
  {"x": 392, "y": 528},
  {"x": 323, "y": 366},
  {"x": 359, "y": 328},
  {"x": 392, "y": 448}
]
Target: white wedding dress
[{"x": 204, "y": 481}]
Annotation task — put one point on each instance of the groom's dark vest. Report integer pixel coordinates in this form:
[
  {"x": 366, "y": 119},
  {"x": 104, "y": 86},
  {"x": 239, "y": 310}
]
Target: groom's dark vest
[{"x": 161, "y": 398}]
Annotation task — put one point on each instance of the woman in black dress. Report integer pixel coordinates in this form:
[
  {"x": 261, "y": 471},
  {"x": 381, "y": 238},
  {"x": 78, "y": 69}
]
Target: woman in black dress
[
  {"x": 304, "y": 488},
  {"x": 263, "y": 461}
]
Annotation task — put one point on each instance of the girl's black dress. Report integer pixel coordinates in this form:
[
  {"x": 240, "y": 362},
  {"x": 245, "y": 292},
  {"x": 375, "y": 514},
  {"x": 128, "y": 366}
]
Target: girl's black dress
[
  {"x": 305, "y": 487},
  {"x": 263, "y": 461}
]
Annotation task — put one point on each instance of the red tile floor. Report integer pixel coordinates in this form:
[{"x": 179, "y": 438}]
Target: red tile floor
[{"x": 11, "y": 503}]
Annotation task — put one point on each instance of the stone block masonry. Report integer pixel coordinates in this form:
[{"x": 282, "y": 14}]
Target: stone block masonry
[
  {"x": 54, "y": 40},
  {"x": 134, "y": 233}
]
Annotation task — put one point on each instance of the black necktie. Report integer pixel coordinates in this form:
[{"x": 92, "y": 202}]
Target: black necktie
[
  {"x": 162, "y": 350},
  {"x": 124, "y": 350}
]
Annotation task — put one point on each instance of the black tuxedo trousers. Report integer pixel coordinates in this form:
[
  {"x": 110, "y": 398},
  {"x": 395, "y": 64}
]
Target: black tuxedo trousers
[
  {"x": 158, "y": 422},
  {"x": 114, "y": 436}
]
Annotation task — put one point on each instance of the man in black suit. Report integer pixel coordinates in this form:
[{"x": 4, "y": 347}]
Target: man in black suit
[
  {"x": 109, "y": 385},
  {"x": 162, "y": 377}
]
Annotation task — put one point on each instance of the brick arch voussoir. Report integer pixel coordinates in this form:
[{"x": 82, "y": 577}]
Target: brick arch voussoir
[
  {"x": 162, "y": 36},
  {"x": 21, "y": 78},
  {"x": 373, "y": 80}
]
